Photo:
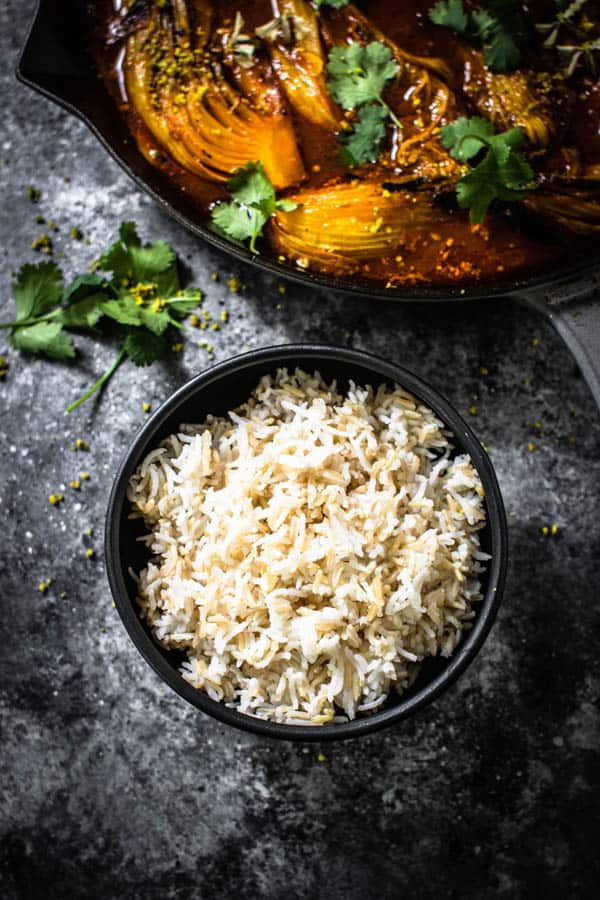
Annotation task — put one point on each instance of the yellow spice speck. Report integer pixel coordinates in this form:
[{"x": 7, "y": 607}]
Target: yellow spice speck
[
  {"x": 85, "y": 476},
  {"x": 75, "y": 484},
  {"x": 146, "y": 407},
  {"x": 554, "y": 529},
  {"x": 473, "y": 409},
  {"x": 177, "y": 347},
  {"x": 535, "y": 342},
  {"x": 55, "y": 499},
  {"x": 194, "y": 320},
  {"x": 483, "y": 370},
  {"x": 235, "y": 285},
  {"x": 90, "y": 553},
  {"x": 321, "y": 757},
  {"x": 545, "y": 530}
]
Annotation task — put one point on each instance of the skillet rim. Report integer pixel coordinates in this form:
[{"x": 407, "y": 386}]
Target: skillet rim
[{"x": 515, "y": 287}]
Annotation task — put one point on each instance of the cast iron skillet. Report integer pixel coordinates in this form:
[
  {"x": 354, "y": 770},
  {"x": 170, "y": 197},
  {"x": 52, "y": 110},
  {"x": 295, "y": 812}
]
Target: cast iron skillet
[
  {"x": 55, "y": 62},
  {"x": 227, "y": 385}
]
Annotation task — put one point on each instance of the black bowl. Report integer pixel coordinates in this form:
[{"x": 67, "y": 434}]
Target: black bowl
[{"x": 224, "y": 387}]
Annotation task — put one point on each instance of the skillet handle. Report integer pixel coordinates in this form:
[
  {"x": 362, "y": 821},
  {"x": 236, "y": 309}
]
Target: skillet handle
[{"x": 577, "y": 321}]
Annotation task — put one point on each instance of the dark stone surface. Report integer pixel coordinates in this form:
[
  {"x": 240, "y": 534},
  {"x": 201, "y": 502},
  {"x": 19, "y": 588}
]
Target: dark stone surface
[{"x": 111, "y": 785}]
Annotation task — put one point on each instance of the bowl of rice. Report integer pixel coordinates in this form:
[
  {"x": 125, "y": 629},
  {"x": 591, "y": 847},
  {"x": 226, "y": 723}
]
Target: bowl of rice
[{"x": 307, "y": 542}]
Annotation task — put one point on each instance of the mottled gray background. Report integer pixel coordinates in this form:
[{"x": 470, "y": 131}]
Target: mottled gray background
[{"x": 111, "y": 785}]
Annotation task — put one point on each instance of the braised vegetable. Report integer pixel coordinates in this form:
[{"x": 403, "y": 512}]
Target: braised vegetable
[
  {"x": 192, "y": 110},
  {"x": 411, "y": 142}
]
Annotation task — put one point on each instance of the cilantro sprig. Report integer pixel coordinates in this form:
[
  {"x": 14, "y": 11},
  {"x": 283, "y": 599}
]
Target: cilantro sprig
[
  {"x": 357, "y": 78},
  {"x": 499, "y": 27},
  {"x": 502, "y": 172},
  {"x": 253, "y": 202},
  {"x": 140, "y": 296}
]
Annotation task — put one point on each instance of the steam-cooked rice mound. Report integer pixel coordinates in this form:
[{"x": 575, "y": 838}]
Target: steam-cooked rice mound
[{"x": 309, "y": 550}]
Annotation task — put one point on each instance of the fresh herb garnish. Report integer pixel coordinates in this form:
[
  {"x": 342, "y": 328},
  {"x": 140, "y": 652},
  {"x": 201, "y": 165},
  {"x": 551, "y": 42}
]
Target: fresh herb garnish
[
  {"x": 252, "y": 205},
  {"x": 363, "y": 143},
  {"x": 142, "y": 296},
  {"x": 575, "y": 37},
  {"x": 240, "y": 44},
  {"x": 502, "y": 173},
  {"x": 357, "y": 78},
  {"x": 499, "y": 27}
]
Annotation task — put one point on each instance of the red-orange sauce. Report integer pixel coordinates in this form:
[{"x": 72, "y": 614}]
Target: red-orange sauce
[{"x": 450, "y": 253}]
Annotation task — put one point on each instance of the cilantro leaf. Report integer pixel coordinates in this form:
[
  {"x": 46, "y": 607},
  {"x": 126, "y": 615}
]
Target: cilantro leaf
[
  {"x": 142, "y": 296},
  {"x": 476, "y": 190},
  {"x": 502, "y": 54},
  {"x": 250, "y": 186},
  {"x": 167, "y": 282},
  {"x": 118, "y": 261},
  {"x": 83, "y": 313},
  {"x": 466, "y": 137},
  {"x": 360, "y": 74},
  {"x": 239, "y": 222},
  {"x": 125, "y": 311},
  {"x": 499, "y": 27},
  {"x": 252, "y": 205},
  {"x": 363, "y": 143},
  {"x": 357, "y": 78},
  {"x": 143, "y": 347},
  {"x": 148, "y": 262},
  {"x": 128, "y": 235},
  {"x": 450, "y": 13},
  {"x": 503, "y": 173},
  {"x": 82, "y": 286},
  {"x": 82, "y": 301},
  {"x": 514, "y": 169},
  {"x": 131, "y": 261},
  {"x": 44, "y": 337},
  {"x": 37, "y": 289},
  {"x": 156, "y": 321}
]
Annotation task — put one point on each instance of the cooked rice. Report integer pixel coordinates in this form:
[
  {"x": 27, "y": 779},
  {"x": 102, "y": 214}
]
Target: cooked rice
[{"x": 311, "y": 549}]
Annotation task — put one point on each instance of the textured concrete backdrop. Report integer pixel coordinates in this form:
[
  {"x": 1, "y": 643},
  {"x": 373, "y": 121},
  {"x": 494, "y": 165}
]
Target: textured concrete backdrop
[{"x": 114, "y": 787}]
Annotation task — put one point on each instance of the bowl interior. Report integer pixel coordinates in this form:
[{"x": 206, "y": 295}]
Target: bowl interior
[{"x": 227, "y": 386}]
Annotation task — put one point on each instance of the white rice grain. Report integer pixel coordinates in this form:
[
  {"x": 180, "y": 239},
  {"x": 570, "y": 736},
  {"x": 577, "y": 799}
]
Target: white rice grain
[{"x": 310, "y": 550}]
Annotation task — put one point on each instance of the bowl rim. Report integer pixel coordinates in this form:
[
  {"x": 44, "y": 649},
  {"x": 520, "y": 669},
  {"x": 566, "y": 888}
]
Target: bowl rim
[{"x": 470, "y": 643}]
